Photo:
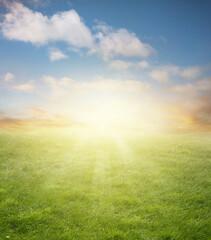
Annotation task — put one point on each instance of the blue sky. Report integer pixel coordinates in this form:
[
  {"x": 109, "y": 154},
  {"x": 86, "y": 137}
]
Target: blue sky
[{"x": 62, "y": 49}]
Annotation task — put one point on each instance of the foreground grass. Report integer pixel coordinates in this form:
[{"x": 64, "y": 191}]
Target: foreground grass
[{"x": 81, "y": 185}]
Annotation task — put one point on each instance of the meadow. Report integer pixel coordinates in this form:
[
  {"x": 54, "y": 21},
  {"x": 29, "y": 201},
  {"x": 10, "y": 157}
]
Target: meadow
[{"x": 81, "y": 184}]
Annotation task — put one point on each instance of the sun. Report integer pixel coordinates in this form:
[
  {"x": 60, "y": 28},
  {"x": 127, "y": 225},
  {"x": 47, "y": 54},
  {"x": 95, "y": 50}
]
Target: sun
[{"x": 113, "y": 111}]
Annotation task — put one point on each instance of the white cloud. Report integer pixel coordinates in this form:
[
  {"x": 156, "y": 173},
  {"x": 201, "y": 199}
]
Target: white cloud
[
  {"x": 187, "y": 88},
  {"x": 58, "y": 86},
  {"x": 56, "y": 83},
  {"x": 142, "y": 64},
  {"x": 23, "y": 24},
  {"x": 160, "y": 76},
  {"x": 8, "y": 77},
  {"x": 122, "y": 65},
  {"x": 203, "y": 85},
  {"x": 100, "y": 84},
  {"x": 56, "y": 54},
  {"x": 119, "y": 65},
  {"x": 191, "y": 72},
  {"x": 120, "y": 42},
  {"x": 115, "y": 85},
  {"x": 25, "y": 87}
]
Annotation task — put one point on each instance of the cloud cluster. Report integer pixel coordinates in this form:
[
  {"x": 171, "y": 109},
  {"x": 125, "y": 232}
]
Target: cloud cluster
[
  {"x": 63, "y": 86},
  {"x": 188, "y": 105},
  {"x": 35, "y": 119},
  {"x": 194, "y": 101},
  {"x": 100, "y": 84},
  {"x": 9, "y": 83},
  {"x": 203, "y": 85},
  {"x": 120, "y": 42},
  {"x": 23, "y": 24},
  {"x": 162, "y": 74}
]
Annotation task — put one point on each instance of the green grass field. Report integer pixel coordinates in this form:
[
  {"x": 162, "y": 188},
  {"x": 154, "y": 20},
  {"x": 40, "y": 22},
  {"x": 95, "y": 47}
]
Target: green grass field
[{"x": 84, "y": 185}]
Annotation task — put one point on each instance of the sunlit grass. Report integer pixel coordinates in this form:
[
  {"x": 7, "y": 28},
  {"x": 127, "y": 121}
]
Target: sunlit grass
[{"x": 104, "y": 185}]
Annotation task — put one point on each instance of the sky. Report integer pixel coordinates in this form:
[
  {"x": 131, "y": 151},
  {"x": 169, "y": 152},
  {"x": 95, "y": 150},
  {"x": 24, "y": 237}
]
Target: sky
[{"x": 135, "y": 64}]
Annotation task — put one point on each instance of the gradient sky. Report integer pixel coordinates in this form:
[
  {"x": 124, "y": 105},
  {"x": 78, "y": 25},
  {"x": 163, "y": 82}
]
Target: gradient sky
[{"x": 141, "y": 63}]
